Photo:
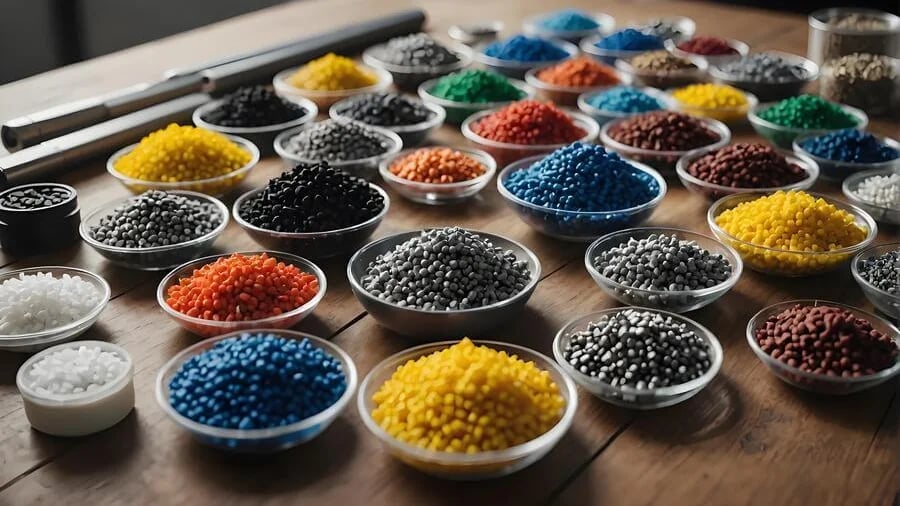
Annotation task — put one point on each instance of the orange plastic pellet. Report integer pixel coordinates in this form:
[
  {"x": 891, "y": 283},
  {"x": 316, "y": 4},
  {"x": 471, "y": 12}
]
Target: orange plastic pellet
[
  {"x": 579, "y": 72},
  {"x": 437, "y": 165}
]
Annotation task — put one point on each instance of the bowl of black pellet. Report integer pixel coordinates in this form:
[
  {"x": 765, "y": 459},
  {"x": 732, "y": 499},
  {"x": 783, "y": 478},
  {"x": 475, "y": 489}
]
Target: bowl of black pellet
[
  {"x": 637, "y": 357},
  {"x": 415, "y": 58},
  {"x": 255, "y": 113},
  {"x": 156, "y": 230},
  {"x": 314, "y": 210},
  {"x": 410, "y": 118},
  {"x": 38, "y": 218},
  {"x": 443, "y": 282},
  {"x": 770, "y": 75}
]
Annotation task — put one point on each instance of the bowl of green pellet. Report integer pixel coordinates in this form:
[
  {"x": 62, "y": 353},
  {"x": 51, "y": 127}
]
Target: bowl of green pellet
[
  {"x": 456, "y": 93},
  {"x": 782, "y": 122}
]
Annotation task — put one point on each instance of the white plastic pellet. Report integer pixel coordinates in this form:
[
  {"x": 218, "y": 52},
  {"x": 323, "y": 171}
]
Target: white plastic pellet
[
  {"x": 73, "y": 371},
  {"x": 882, "y": 191},
  {"x": 38, "y": 302}
]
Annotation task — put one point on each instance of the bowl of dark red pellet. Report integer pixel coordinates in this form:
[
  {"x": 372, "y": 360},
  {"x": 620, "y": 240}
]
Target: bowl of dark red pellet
[
  {"x": 443, "y": 282},
  {"x": 438, "y": 175},
  {"x": 225, "y": 293},
  {"x": 712, "y": 50},
  {"x": 638, "y": 358},
  {"x": 416, "y": 58},
  {"x": 782, "y": 122},
  {"x": 842, "y": 153},
  {"x": 413, "y": 120},
  {"x": 156, "y": 230},
  {"x": 770, "y": 75},
  {"x": 825, "y": 347},
  {"x": 305, "y": 381},
  {"x": 875, "y": 270}
]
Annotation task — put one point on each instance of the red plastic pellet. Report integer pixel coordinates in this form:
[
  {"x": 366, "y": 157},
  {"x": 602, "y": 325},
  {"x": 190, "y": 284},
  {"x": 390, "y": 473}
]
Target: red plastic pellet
[
  {"x": 529, "y": 122},
  {"x": 707, "y": 46}
]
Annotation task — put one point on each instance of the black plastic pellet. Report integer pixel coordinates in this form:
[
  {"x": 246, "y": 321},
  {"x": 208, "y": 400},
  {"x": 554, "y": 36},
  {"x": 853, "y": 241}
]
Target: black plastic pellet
[
  {"x": 34, "y": 198},
  {"x": 384, "y": 109},
  {"x": 338, "y": 140},
  {"x": 254, "y": 106},
  {"x": 416, "y": 50}
]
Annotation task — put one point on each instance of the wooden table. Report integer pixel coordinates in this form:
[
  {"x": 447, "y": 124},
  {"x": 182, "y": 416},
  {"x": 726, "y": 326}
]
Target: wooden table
[{"x": 747, "y": 439}]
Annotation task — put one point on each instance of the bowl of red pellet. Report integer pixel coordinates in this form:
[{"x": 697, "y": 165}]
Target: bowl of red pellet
[
  {"x": 438, "y": 175},
  {"x": 712, "y": 50},
  {"x": 825, "y": 347},
  {"x": 238, "y": 291}
]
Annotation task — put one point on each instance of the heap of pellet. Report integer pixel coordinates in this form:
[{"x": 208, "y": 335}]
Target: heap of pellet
[
  {"x": 764, "y": 67},
  {"x": 661, "y": 61},
  {"x": 850, "y": 145},
  {"x": 663, "y": 131},
  {"x": 337, "y": 141},
  {"x": 37, "y": 302},
  {"x": 883, "y": 272},
  {"x": 253, "y": 106},
  {"x": 661, "y": 28},
  {"x": 414, "y": 50},
  {"x": 863, "y": 80},
  {"x": 30, "y": 198},
  {"x": 882, "y": 191},
  {"x": 527, "y": 49},
  {"x": 446, "y": 269},
  {"x": 75, "y": 370},
  {"x": 384, "y": 109},
  {"x": 858, "y": 22},
  {"x": 476, "y": 86},
  {"x": 746, "y": 165}
]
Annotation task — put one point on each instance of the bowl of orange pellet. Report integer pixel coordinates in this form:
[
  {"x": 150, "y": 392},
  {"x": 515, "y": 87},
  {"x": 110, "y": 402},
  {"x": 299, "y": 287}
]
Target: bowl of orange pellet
[
  {"x": 239, "y": 291},
  {"x": 329, "y": 79},
  {"x": 438, "y": 175},
  {"x": 562, "y": 82},
  {"x": 465, "y": 410}
]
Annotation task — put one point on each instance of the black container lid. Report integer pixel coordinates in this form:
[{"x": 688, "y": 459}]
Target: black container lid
[{"x": 38, "y": 215}]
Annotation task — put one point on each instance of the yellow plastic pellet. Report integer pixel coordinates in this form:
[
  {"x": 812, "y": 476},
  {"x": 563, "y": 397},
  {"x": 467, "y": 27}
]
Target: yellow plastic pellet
[
  {"x": 718, "y": 101},
  {"x": 467, "y": 399},
  {"x": 331, "y": 73}
]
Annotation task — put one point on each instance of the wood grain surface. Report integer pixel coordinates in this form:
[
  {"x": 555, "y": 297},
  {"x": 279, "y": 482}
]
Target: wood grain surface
[{"x": 747, "y": 439}]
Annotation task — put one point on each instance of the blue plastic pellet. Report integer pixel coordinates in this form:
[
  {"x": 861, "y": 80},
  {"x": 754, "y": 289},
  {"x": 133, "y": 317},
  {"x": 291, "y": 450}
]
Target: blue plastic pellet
[
  {"x": 568, "y": 20},
  {"x": 630, "y": 39},
  {"x": 850, "y": 145},
  {"x": 625, "y": 99},
  {"x": 522, "y": 48}
]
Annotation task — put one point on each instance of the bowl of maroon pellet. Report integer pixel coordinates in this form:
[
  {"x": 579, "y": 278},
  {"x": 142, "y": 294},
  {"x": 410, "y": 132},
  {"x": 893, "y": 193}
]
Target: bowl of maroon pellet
[
  {"x": 825, "y": 347},
  {"x": 661, "y": 138}
]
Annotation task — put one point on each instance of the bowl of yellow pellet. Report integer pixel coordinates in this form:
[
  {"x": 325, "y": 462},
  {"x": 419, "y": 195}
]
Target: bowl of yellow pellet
[
  {"x": 717, "y": 101},
  {"x": 331, "y": 78},
  {"x": 465, "y": 410},
  {"x": 791, "y": 233},
  {"x": 184, "y": 158}
]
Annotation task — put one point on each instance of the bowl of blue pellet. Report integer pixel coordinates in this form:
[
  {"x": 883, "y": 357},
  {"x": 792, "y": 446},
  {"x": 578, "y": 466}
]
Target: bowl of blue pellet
[
  {"x": 581, "y": 191},
  {"x": 623, "y": 44},
  {"x": 517, "y": 55},
  {"x": 845, "y": 152},
  {"x": 621, "y": 102},
  {"x": 260, "y": 391},
  {"x": 569, "y": 24}
]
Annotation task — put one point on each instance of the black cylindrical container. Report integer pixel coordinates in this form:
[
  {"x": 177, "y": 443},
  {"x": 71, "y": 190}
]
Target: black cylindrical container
[{"x": 38, "y": 218}]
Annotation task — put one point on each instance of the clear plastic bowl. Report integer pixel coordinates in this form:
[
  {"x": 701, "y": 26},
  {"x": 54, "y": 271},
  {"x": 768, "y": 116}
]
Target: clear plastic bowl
[
  {"x": 312, "y": 244},
  {"x": 36, "y": 341},
  {"x": 365, "y": 168},
  {"x": 784, "y": 137},
  {"x": 505, "y": 152},
  {"x": 257, "y": 440},
  {"x": 661, "y": 160},
  {"x": 437, "y": 193},
  {"x": 733, "y": 116},
  {"x": 889, "y": 215},
  {"x": 216, "y": 186},
  {"x": 159, "y": 257},
  {"x": 664, "y": 78},
  {"x": 787, "y": 263},
  {"x": 886, "y": 302},
  {"x": 517, "y": 69},
  {"x": 212, "y": 328},
  {"x": 821, "y": 383},
  {"x": 685, "y": 25},
  {"x": 457, "y": 112},
  {"x": 630, "y": 397},
  {"x": 567, "y": 95},
  {"x": 533, "y": 27},
  {"x": 714, "y": 191},
  {"x": 608, "y": 56},
  {"x": 463, "y": 466},
  {"x": 410, "y": 135},
  {"x": 575, "y": 225},
  {"x": 741, "y": 47},
  {"x": 324, "y": 98},
  {"x": 674, "y": 301},
  {"x": 409, "y": 77},
  {"x": 768, "y": 90},
  {"x": 603, "y": 116},
  {"x": 837, "y": 171}
]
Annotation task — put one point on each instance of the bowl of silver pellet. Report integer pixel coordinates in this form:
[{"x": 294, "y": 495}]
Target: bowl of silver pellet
[
  {"x": 156, "y": 230},
  {"x": 637, "y": 357},
  {"x": 876, "y": 270},
  {"x": 663, "y": 268},
  {"x": 443, "y": 282}
]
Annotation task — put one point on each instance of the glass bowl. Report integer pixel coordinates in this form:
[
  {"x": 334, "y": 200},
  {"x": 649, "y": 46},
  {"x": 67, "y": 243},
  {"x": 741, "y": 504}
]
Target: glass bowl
[
  {"x": 768, "y": 90},
  {"x": 517, "y": 69},
  {"x": 629, "y": 397},
  {"x": 837, "y": 171},
  {"x": 674, "y": 301},
  {"x": 409, "y": 77},
  {"x": 212, "y": 328},
  {"x": 884, "y": 301},
  {"x": 889, "y": 215},
  {"x": 257, "y": 440},
  {"x": 463, "y": 466},
  {"x": 312, "y": 244},
  {"x": 821, "y": 383},
  {"x": 662, "y": 160},
  {"x": 533, "y": 27},
  {"x": 788, "y": 263},
  {"x": 741, "y": 47},
  {"x": 437, "y": 193},
  {"x": 732, "y": 116},
  {"x": 664, "y": 78},
  {"x": 457, "y": 112},
  {"x": 36, "y": 341},
  {"x": 783, "y": 136},
  {"x": 714, "y": 191},
  {"x": 324, "y": 98},
  {"x": 215, "y": 186},
  {"x": 410, "y": 135},
  {"x": 576, "y": 225},
  {"x": 603, "y": 116},
  {"x": 567, "y": 95},
  {"x": 608, "y": 56},
  {"x": 159, "y": 257},
  {"x": 365, "y": 168},
  {"x": 506, "y": 152}
]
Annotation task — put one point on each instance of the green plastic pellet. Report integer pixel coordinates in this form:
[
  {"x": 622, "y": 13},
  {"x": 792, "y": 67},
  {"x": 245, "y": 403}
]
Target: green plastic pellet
[
  {"x": 808, "y": 111},
  {"x": 476, "y": 86}
]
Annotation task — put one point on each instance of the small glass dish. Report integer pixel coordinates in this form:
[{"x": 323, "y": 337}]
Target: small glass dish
[
  {"x": 821, "y": 383},
  {"x": 312, "y": 244},
  {"x": 463, "y": 466},
  {"x": 212, "y": 328},
  {"x": 664, "y": 161},
  {"x": 409, "y": 77},
  {"x": 608, "y": 56},
  {"x": 884, "y": 301},
  {"x": 784, "y": 137},
  {"x": 732, "y": 116},
  {"x": 506, "y": 152},
  {"x": 768, "y": 90},
  {"x": 630, "y": 397},
  {"x": 889, "y": 215},
  {"x": 457, "y": 112},
  {"x": 517, "y": 69},
  {"x": 664, "y": 78},
  {"x": 215, "y": 186},
  {"x": 713, "y": 191},
  {"x": 159, "y": 257},
  {"x": 365, "y": 168},
  {"x": 674, "y": 301},
  {"x": 533, "y": 27},
  {"x": 439, "y": 193},
  {"x": 576, "y": 225},
  {"x": 789, "y": 263},
  {"x": 36, "y": 341},
  {"x": 836, "y": 171},
  {"x": 741, "y": 48},
  {"x": 604, "y": 116},
  {"x": 410, "y": 135},
  {"x": 257, "y": 440},
  {"x": 568, "y": 95},
  {"x": 324, "y": 98}
]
